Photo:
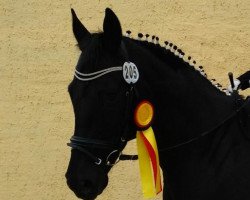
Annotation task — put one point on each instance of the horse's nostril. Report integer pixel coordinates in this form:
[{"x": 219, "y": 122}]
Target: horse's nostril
[
  {"x": 82, "y": 189},
  {"x": 85, "y": 185}
]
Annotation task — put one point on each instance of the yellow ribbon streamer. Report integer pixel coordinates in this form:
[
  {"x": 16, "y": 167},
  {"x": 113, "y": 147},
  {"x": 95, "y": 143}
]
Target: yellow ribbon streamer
[{"x": 146, "y": 145}]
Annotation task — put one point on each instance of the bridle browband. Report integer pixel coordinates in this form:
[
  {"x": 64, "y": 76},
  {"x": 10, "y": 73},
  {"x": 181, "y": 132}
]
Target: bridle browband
[{"x": 95, "y": 75}]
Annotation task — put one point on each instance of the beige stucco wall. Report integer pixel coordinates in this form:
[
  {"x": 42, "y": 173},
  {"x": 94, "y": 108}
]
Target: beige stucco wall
[{"x": 37, "y": 59}]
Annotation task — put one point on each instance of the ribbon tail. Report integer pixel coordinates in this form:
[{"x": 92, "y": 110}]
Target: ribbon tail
[
  {"x": 145, "y": 168},
  {"x": 149, "y": 163},
  {"x": 151, "y": 144}
]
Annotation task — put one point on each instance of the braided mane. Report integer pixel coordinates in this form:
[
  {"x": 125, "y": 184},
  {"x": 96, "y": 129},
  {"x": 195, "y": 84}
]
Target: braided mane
[{"x": 173, "y": 56}]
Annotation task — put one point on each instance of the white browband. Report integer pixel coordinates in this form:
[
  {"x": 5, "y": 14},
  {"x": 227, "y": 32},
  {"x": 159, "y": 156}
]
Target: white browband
[
  {"x": 97, "y": 74},
  {"x": 130, "y": 73}
]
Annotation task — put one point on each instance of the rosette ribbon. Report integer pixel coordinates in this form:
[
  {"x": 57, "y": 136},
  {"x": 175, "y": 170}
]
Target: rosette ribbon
[{"x": 147, "y": 151}]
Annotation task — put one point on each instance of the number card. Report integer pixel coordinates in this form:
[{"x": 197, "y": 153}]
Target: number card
[{"x": 130, "y": 72}]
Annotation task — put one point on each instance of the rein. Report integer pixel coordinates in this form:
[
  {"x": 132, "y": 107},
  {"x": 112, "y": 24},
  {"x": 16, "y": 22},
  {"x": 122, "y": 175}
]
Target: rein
[{"x": 209, "y": 131}]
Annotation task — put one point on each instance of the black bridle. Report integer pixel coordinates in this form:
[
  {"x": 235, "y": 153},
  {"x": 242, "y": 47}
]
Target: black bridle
[{"x": 81, "y": 144}]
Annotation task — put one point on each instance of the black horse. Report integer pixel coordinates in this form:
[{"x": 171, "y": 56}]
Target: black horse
[{"x": 201, "y": 132}]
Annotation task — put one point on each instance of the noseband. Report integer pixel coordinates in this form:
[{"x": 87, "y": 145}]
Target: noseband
[{"x": 81, "y": 144}]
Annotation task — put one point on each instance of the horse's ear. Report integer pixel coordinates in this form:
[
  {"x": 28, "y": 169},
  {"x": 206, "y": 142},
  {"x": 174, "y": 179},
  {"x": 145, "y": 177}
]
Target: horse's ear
[
  {"x": 82, "y": 35},
  {"x": 112, "y": 30}
]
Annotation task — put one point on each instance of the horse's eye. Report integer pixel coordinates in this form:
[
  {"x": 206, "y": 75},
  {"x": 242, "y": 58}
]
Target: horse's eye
[{"x": 108, "y": 98}]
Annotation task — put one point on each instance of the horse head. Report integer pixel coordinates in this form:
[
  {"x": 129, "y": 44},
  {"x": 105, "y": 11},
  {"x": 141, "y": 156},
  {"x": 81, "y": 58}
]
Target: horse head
[{"x": 102, "y": 102}]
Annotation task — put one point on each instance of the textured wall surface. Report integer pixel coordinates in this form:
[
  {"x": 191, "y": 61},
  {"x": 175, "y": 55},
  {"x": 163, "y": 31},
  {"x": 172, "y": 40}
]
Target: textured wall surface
[{"x": 37, "y": 59}]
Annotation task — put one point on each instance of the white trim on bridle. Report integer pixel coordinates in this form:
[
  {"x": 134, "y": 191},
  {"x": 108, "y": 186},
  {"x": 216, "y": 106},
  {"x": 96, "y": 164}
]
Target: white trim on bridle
[
  {"x": 130, "y": 73},
  {"x": 95, "y": 75}
]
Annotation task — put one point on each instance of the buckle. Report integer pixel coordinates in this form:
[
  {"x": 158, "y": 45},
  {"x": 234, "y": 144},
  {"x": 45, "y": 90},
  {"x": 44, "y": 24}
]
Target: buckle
[
  {"x": 108, "y": 163},
  {"x": 99, "y": 161}
]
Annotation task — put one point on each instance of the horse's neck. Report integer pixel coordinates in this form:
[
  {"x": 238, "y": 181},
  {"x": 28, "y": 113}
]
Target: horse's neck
[{"x": 186, "y": 105}]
